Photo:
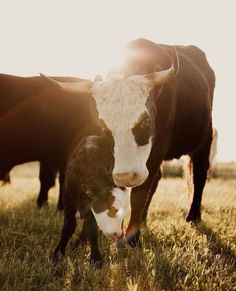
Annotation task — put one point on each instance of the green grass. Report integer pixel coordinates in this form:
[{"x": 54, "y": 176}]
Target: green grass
[{"x": 175, "y": 255}]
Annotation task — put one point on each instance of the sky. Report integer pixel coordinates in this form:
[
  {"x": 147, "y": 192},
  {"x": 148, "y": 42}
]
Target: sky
[{"x": 86, "y": 37}]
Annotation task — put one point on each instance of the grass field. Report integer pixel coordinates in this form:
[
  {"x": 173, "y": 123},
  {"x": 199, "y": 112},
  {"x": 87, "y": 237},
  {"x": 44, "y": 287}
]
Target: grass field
[{"x": 175, "y": 255}]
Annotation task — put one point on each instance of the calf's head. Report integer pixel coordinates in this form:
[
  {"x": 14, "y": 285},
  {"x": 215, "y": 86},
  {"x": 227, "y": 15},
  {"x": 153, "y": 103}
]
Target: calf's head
[
  {"x": 109, "y": 205},
  {"x": 122, "y": 108},
  {"x": 110, "y": 211}
]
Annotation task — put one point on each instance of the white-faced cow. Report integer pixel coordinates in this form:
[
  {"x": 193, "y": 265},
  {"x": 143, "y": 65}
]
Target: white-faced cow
[{"x": 160, "y": 110}]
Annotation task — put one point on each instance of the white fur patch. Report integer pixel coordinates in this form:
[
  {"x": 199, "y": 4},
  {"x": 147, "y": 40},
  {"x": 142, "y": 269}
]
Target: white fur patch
[
  {"x": 112, "y": 227},
  {"x": 120, "y": 104}
]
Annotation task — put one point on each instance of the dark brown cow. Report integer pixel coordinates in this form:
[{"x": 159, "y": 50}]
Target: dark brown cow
[
  {"x": 38, "y": 122},
  {"x": 160, "y": 109},
  {"x": 182, "y": 118}
]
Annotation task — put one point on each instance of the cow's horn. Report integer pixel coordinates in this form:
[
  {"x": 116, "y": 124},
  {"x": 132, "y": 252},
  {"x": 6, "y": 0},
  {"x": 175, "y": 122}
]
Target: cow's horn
[
  {"x": 162, "y": 77},
  {"x": 73, "y": 87}
]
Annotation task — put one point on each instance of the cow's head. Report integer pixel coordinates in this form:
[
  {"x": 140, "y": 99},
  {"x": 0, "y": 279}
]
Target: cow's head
[{"x": 121, "y": 105}]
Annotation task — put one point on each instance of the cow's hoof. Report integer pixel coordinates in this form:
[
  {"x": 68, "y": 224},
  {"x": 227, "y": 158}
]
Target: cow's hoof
[
  {"x": 60, "y": 207},
  {"x": 42, "y": 203},
  {"x": 133, "y": 240},
  {"x": 194, "y": 217},
  {"x": 96, "y": 260},
  {"x": 57, "y": 257}
]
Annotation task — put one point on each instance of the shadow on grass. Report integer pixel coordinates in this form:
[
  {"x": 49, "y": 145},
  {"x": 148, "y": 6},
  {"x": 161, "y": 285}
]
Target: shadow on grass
[
  {"x": 166, "y": 274},
  {"x": 217, "y": 246},
  {"x": 27, "y": 238},
  {"x": 150, "y": 267}
]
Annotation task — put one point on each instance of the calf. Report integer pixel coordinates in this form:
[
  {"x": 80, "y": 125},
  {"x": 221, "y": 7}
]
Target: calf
[{"x": 91, "y": 194}]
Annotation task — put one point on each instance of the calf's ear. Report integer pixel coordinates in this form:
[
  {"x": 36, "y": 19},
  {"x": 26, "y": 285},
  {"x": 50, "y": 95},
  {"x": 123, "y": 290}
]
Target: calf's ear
[{"x": 87, "y": 190}]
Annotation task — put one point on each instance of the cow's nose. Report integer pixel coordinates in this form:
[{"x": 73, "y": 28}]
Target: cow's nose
[{"x": 127, "y": 179}]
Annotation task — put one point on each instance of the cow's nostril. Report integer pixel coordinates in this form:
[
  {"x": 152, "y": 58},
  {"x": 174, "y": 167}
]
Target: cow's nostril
[
  {"x": 126, "y": 178},
  {"x": 121, "y": 176},
  {"x": 134, "y": 177}
]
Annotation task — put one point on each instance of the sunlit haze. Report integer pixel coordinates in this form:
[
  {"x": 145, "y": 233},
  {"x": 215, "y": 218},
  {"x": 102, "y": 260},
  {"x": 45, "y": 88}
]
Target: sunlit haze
[{"x": 85, "y": 38}]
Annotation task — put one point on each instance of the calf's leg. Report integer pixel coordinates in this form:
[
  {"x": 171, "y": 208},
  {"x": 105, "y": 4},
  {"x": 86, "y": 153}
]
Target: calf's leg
[
  {"x": 67, "y": 231},
  {"x": 83, "y": 236},
  {"x": 60, "y": 203},
  {"x": 92, "y": 234}
]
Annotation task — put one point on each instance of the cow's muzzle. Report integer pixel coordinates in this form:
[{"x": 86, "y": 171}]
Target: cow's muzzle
[{"x": 128, "y": 179}]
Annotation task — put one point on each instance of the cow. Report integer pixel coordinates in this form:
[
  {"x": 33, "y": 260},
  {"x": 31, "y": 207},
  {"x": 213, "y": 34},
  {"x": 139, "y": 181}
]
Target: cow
[
  {"x": 90, "y": 194},
  {"x": 159, "y": 108},
  {"x": 38, "y": 123}
]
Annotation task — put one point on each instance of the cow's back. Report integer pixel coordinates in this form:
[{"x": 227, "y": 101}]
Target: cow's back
[
  {"x": 38, "y": 121},
  {"x": 199, "y": 58},
  {"x": 183, "y": 106},
  {"x": 16, "y": 89}
]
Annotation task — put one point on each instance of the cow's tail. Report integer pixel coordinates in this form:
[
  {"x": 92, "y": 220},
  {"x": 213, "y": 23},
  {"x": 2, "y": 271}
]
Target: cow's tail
[
  {"x": 213, "y": 152},
  {"x": 188, "y": 166},
  {"x": 188, "y": 174}
]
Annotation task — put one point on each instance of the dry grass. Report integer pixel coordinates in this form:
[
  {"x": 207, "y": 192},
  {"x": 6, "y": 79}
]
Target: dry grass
[{"x": 175, "y": 255}]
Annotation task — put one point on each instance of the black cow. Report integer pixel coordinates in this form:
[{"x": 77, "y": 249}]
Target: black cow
[
  {"x": 160, "y": 109},
  {"x": 38, "y": 122},
  {"x": 183, "y": 121}
]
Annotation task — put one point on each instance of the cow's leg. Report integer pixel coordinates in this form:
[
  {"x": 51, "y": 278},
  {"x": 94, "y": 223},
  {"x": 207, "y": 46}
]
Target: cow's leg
[
  {"x": 139, "y": 198},
  {"x": 4, "y": 172},
  {"x": 149, "y": 198},
  {"x": 200, "y": 161},
  {"x": 5, "y": 177},
  {"x": 67, "y": 231},
  {"x": 47, "y": 176},
  {"x": 92, "y": 234}
]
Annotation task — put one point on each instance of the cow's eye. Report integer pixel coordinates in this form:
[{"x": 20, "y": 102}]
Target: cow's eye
[{"x": 142, "y": 130}]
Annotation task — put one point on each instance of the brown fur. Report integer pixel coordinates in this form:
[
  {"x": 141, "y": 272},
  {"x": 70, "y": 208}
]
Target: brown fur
[
  {"x": 38, "y": 123},
  {"x": 181, "y": 112}
]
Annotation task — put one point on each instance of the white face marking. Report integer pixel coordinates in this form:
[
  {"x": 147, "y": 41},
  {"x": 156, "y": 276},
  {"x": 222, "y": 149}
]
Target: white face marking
[
  {"x": 112, "y": 227},
  {"x": 120, "y": 103}
]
